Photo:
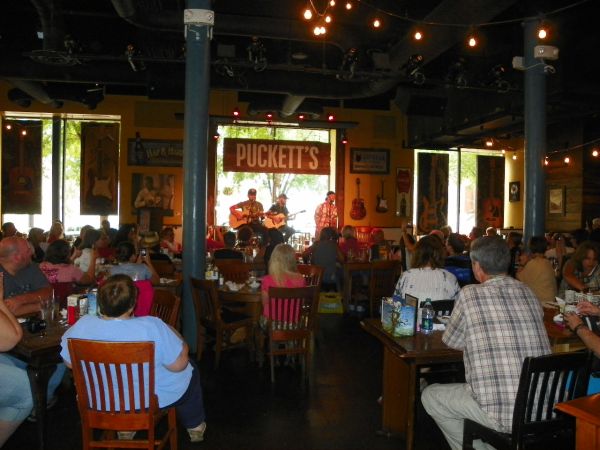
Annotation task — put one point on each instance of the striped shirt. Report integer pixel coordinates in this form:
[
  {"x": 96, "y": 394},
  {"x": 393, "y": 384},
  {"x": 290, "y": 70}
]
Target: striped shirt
[
  {"x": 497, "y": 324},
  {"x": 424, "y": 283}
]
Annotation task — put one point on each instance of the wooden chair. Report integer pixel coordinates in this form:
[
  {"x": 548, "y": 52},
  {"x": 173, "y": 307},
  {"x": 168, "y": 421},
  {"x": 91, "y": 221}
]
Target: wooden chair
[
  {"x": 382, "y": 281},
  {"x": 235, "y": 271},
  {"x": 291, "y": 324},
  {"x": 163, "y": 267},
  {"x": 166, "y": 305},
  {"x": 118, "y": 400},
  {"x": 220, "y": 323},
  {"x": 313, "y": 275},
  {"x": 545, "y": 381}
]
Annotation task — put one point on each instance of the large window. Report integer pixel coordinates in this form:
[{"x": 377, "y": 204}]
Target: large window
[
  {"x": 69, "y": 198},
  {"x": 305, "y": 192}
]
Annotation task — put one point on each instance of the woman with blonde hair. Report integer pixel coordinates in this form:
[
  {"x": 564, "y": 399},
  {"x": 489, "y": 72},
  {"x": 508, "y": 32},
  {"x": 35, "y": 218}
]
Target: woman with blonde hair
[{"x": 283, "y": 272}]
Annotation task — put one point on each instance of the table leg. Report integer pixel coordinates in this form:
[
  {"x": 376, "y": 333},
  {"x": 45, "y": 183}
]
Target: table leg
[{"x": 38, "y": 379}]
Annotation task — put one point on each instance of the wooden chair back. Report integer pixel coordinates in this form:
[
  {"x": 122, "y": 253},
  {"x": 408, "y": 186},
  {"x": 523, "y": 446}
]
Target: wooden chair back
[
  {"x": 115, "y": 391},
  {"x": 233, "y": 270},
  {"x": 292, "y": 313},
  {"x": 382, "y": 281},
  {"x": 221, "y": 323},
  {"x": 163, "y": 267},
  {"x": 545, "y": 381},
  {"x": 166, "y": 306},
  {"x": 313, "y": 275}
]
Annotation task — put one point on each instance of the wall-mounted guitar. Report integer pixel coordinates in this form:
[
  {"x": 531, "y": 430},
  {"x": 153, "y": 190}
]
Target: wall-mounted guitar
[
  {"x": 382, "y": 206},
  {"x": 279, "y": 220},
  {"x": 358, "y": 210},
  {"x": 21, "y": 178},
  {"x": 492, "y": 206}
]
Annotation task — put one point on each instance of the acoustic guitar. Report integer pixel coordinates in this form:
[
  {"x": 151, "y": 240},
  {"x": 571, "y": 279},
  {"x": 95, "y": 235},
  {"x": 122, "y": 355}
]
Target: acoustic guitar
[
  {"x": 247, "y": 218},
  {"x": 382, "y": 206},
  {"x": 279, "y": 220},
  {"x": 429, "y": 217},
  {"x": 358, "y": 210},
  {"x": 492, "y": 206}
]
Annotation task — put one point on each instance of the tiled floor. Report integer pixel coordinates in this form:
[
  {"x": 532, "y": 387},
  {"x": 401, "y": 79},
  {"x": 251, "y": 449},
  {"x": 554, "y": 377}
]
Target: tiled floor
[{"x": 337, "y": 411}]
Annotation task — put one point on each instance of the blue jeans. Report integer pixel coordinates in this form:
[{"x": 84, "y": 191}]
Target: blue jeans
[
  {"x": 16, "y": 400},
  {"x": 53, "y": 382}
]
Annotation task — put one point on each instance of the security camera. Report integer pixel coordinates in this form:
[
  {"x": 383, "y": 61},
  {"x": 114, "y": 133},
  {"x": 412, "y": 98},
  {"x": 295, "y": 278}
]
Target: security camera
[{"x": 545, "y": 52}]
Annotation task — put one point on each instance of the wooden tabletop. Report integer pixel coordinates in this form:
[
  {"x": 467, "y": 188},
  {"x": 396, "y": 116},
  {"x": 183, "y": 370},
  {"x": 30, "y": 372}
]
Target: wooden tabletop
[
  {"x": 586, "y": 408},
  {"x": 34, "y": 345}
]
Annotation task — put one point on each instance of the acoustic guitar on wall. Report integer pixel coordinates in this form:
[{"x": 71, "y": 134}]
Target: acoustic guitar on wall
[
  {"x": 382, "y": 206},
  {"x": 358, "y": 210}
]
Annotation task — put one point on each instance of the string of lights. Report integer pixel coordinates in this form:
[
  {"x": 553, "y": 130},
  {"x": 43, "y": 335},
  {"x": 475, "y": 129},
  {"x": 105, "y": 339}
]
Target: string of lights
[{"x": 565, "y": 151}]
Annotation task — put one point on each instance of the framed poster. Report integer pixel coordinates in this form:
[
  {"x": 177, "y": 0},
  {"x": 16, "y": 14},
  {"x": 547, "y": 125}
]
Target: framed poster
[
  {"x": 154, "y": 152},
  {"x": 370, "y": 160},
  {"x": 556, "y": 200},
  {"x": 403, "y": 192},
  {"x": 153, "y": 191},
  {"x": 514, "y": 191}
]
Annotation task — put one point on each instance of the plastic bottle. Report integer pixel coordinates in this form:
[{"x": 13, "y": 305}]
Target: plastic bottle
[
  {"x": 92, "y": 302},
  {"x": 427, "y": 315}
]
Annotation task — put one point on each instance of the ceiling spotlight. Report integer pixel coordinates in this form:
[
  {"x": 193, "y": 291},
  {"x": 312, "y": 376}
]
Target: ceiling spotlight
[
  {"x": 472, "y": 42},
  {"x": 418, "y": 35},
  {"x": 330, "y": 117},
  {"x": 376, "y": 23},
  {"x": 595, "y": 153},
  {"x": 567, "y": 160},
  {"x": 301, "y": 116},
  {"x": 317, "y": 31},
  {"x": 328, "y": 19},
  {"x": 307, "y": 14},
  {"x": 8, "y": 126},
  {"x": 348, "y": 5},
  {"x": 489, "y": 142},
  {"x": 24, "y": 132},
  {"x": 503, "y": 151},
  {"x": 542, "y": 32},
  {"x": 236, "y": 112},
  {"x": 514, "y": 156},
  {"x": 331, "y": 2}
]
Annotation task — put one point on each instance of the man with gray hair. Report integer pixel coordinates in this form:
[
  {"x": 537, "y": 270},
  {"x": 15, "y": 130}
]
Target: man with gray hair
[{"x": 496, "y": 324}]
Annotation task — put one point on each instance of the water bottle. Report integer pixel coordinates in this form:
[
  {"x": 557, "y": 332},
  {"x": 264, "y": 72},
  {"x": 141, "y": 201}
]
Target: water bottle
[
  {"x": 92, "y": 302},
  {"x": 427, "y": 315}
]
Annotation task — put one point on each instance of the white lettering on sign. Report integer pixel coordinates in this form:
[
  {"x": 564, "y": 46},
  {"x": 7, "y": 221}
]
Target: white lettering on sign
[{"x": 274, "y": 156}]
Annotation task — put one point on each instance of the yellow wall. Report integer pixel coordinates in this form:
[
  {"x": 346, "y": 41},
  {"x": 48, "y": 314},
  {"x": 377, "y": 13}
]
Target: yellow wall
[{"x": 514, "y": 171}]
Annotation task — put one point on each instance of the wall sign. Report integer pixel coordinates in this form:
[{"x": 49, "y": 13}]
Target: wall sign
[
  {"x": 370, "y": 160},
  {"x": 259, "y": 155},
  {"x": 556, "y": 200},
  {"x": 155, "y": 152}
]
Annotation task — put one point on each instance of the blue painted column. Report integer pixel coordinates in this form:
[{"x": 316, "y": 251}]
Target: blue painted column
[
  {"x": 535, "y": 136},
  {"x": 194, "y": 163}
]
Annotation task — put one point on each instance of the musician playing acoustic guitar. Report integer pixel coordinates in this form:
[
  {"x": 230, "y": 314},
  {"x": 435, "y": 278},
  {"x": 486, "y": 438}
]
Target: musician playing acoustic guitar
[
  {"x": 278, "y": 214},
  {"x": 326, "y": 214},
  {"x": 248, "y": 212}
]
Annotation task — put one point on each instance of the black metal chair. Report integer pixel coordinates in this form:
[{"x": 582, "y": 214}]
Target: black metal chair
[{"x": 545, "y": 381}]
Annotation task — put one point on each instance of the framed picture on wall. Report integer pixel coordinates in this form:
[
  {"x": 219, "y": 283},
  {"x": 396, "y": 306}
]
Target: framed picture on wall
[
  {"x": 370, "y": 160},
  {"x": 556, "y": 200},
  {"x": 514, "y": 191}
]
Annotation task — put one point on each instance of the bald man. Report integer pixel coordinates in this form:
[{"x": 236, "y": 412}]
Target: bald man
[{"x": 24, "y": 283}]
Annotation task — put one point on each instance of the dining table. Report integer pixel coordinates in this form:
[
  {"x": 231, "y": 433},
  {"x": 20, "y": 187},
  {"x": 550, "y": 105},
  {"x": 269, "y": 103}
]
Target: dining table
[
  {"x": 586, "y": 411},
  {"x": 41, "y": 352}
]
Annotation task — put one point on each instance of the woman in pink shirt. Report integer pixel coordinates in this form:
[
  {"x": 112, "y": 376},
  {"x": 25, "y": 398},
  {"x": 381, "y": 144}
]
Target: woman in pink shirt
[
  {"x": 58, "y": 268},
  {"x": 283, "y": 272}
]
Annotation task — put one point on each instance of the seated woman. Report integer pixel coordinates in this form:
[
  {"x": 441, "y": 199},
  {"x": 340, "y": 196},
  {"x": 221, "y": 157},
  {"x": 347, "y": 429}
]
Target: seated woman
[
  {"x": 427, "y": 278},
  {"x": 326, "y": 253},
  {"x": 536, "y": 271},
  {"x": 177, "y": 381},
  {"x": 349, "y": 245},
  {"x": 283, "y": 272},
  {"x": 581, "y": 271},
  {"x": 82, "y": 257},
  {"x": 140, "y": 269},
  {"x": 16, "y": 401},
  {"x": 58, "y": 268},
  {"x": 167, "y": 241}
]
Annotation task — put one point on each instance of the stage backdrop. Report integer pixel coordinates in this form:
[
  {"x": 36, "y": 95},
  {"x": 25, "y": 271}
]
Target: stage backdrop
[
  {"x": 99, "y": 168},
  {"x": 490, "y": 191},
  {"x": 21, "y": 167},
  {"x": 432, "y": 206}
]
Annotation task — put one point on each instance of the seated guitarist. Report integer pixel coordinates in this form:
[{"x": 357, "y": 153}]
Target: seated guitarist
[
  {"x": 278, "y": 213},
  {"x": 249, "y": 212}
]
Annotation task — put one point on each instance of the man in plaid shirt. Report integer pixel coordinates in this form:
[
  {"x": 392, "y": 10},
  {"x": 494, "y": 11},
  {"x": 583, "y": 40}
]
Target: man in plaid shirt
[
  {"x": 326, "y": 214},
  {"x": 496, "y": 324}
]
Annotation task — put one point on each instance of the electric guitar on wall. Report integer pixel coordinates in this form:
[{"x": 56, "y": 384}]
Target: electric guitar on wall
[
  {"x": 279, "y": 220},
  {"x": 382, "y": 206},
  {"x": 358, "y": 210},
  {"x": 492, "y": 206}
]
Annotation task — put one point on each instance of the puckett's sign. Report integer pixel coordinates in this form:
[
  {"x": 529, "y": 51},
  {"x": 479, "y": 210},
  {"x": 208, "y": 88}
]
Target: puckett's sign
[{"x": 256, "y": 155}]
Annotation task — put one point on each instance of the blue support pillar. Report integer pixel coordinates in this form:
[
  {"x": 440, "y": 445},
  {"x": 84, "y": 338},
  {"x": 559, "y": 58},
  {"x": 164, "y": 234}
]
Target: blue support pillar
[
  {"x": 535, "y": 136},
  {"x": 195, "y": 156}
]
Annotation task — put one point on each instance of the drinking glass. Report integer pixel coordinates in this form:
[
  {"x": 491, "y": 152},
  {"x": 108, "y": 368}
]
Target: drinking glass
[{"x": 47, "y": 309}]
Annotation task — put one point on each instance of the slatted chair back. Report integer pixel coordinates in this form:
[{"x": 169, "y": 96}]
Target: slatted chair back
[
  {"x": 313, "y": 275},
  {"x": 382, "y": 281},
  {"x": 545, "y": 381},
  {"x": 235, "y": 271},
  {"x": 217, "y": 322},
  {"x": 291, "y": 313},
  {"x": 163, "y": 267},
  {"x": 166, "y": 306},
  {"x": 115, "y": 391}
]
